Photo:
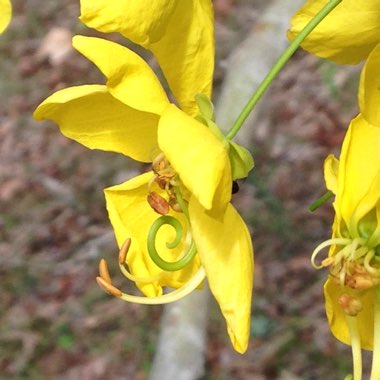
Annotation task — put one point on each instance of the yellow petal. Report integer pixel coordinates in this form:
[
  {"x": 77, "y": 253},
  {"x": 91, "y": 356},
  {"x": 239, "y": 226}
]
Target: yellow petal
[
  {"x": 369, "y": 88},
  {"x": 337, "y": 318},
  {"x": 346, "y": 35},
  {"x": 5, "y": 14},
  {"x": 144, "y": 21},
  {"x": 179, "y": 33},
  {"x": 91, "y": 116},
  {"x": 200, "y": 158},
  {"x": 331, "y": 169},
  {"x": 359, "y": 170},
  {"x": 129, "y": 77},
  {"x": 225, "y": 249},
  {"x": 131, "y": 217}
]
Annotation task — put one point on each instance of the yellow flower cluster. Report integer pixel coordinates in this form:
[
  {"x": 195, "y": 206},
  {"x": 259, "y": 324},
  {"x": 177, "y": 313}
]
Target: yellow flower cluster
[
  {"x": 350, "y": 34},
  {"x": 175, "y": 225}
]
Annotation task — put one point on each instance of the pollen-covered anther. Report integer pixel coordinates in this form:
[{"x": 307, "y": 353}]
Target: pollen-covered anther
[
  {"x": 124, "y": 250},
  {"x": 361, "y": 282},
  {"x": 350, "y": 305},
  {"x": 161, "y": 181},
  {"x": 158, "y": 203},
  {"x": 109, "y": 288},
  {"x": 103, "y": 271}
]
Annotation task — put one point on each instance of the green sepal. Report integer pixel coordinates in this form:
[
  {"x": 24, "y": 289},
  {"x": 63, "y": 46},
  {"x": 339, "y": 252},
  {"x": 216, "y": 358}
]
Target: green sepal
[
  {"x": 205, "y": 106},
  {"x": 241, "y": 161},
  {"x": 240, "y": 158}
]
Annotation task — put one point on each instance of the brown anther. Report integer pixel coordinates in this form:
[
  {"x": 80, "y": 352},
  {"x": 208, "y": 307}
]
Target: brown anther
[
  {"x": 161, "y": 181},
  {"x": 124, "y": 250},
  {"x": 158, "y": 203},
  {"x": 350, "y": 305},
  {"x": 174, "y": 204},
  {"x": 103, "y": 271},
  {"x": 159, "y": 163},
  {"x": 110, "y": 289},
  {"x": 360, "y": 282}
]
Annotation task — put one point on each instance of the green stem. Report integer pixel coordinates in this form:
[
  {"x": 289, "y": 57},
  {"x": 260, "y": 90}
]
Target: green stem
[
  {"x": 375, "y": 371},
  {"x": 320, "y": 201},
  {"x": 355, "y": 346},
  {"x": 282, "y": 60},
  {"x": 182, "y": 203}
]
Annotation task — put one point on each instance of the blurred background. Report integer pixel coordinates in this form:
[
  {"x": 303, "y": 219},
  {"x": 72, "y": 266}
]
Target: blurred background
[{"x": 55, "y": 322}]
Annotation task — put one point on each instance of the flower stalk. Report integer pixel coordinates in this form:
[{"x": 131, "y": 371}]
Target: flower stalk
[{"x": 278, "y": 66}]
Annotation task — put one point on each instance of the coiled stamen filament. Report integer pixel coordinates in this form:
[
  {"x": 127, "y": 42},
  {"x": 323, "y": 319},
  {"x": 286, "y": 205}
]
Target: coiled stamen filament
[{"x": 151, "y": 244}]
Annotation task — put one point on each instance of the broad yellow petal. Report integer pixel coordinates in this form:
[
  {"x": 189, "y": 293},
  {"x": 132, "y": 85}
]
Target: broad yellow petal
[
  {"x": 369, "y": 88},
  {"x": 179, "y": 33},
  {"x": 94, "y": 118},
  {"x": 143, "y": 21},
  {"x": 226, "y": 253},
  {"x": 132, "y": 217},
  {"x": 337, "y": 318},
  {"x": 5, "y": 14},
  {"x": 200, "y": 158},
  {"x": 359, "y": 170},
  {"x": 129, "y": 77},
  {"x": 346, "y": 35}
]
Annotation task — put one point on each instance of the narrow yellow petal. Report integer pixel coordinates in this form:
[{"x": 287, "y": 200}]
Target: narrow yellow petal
[
  {"x": 359, "y": 169},
  {"x": 337, "y": 318},
  {"x": 369, "y": 88},
  {"x": 131, "y": 217},
  {"x": 94, "y": 118},
  {"x": 200, "y": 158},
  {"x": 5, "y": 14},
  {"x": 129, "y": 77},
  {"x": 331, "y": 169},
  {"x": 179, "y": 33},
  {"x": 225, "y": 248},
  {"x": 346, "y": 35}
]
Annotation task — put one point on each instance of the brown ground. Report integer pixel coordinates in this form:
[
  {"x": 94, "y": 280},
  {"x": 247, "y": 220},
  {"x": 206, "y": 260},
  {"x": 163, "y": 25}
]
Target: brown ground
[{"x": 55, "y": 321}]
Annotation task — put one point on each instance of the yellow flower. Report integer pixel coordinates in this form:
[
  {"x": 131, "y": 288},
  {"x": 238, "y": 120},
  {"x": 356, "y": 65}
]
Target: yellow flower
[
  {"x": 347, "y": 35},
  {"x": 351, "y": 291},
  {"x": 190, "y": 181},
  {"x": 5, "y": 14},
  {"x": 180, "y": 34}
]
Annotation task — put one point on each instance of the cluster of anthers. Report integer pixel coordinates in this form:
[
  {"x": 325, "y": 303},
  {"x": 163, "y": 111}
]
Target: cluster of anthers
[
  {"x": 167, "y": 179},
  {"x": 354, "y": 263}
]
